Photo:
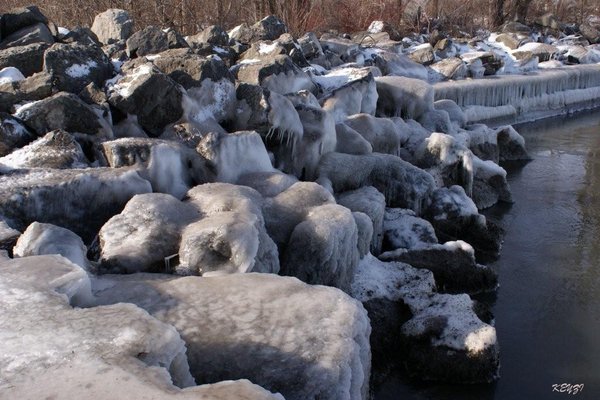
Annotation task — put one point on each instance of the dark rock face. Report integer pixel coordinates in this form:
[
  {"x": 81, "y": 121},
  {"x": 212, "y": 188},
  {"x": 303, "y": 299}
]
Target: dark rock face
[
  {"x": 62, "y": 111},
  {"x": 213, "y": 34},
  {"x": 189, "y": 69},
  {"x": 152, "y": 96},
  {"x": 36, "y": 87},
  {"x": 269, "y": 28},
  {"x": 38, "y": 33},
  {"x": 74, "y": 66},
  {"x": 19, "y": 18},
  {"x": 13, "y": 134},
  {"x": 28, "y": 59},
  {"x": 150, "y": 40}
]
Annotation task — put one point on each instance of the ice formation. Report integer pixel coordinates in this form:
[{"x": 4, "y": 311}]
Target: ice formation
[
  {"x": 9, "y": 75},
  {"x": 259, "y": 326}
]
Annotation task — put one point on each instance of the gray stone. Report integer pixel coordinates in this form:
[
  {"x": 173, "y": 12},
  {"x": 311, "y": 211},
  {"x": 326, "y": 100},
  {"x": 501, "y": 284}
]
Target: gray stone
[
  {"x": 213, "y": 34},
  {"x": 268, "y": 28},
  {"x": 189, "y": 69},
  {"x": 277, "y": 73},
  {"x": 38, "y": 33},
  {"x": 18, "y": 18},
  {"x": 422, "y": 54},
  {"x": 150, "y": 40},
  {"x": 33, "y": 88},
  {"x": 451, "y": 68},
  {"x": 13, "y": 133},
  {"x": 28, "y": 59},
  {"x": 112, "y": 26}
]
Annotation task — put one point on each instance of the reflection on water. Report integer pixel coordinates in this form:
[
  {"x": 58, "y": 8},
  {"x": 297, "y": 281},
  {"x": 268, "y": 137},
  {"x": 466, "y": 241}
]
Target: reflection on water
[{"x": 548, "y": 306}]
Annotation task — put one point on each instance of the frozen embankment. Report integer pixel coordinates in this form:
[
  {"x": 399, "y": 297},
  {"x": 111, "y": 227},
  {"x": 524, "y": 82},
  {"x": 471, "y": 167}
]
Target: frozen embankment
[{"x": 520, "y": 98}]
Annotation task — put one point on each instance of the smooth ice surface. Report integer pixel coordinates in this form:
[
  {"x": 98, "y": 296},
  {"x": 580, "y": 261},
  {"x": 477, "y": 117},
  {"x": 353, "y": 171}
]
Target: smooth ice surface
[{"x": 306, "y": 342}]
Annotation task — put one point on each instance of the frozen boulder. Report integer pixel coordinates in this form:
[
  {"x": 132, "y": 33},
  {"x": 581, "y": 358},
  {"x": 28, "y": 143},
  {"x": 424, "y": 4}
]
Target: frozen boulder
[
  {"x": 350, "y": 141},
  {"x": 364, "y": 227},
  {"x": 382, "y": 133},
  {"x": 347, "y": 91},
  {"x": 371, "y": 202},
  {"x": 511, "y": 145},
  {"x": 343, "y": 47},
  {"x": 79, "y": 200},
  {"x": 403, "y": 229},
  {"x": 57, "y": 149},
  {"x": 64, "y": 347},
  {"x": 402, "y": 184},
  {"x": 268, "y": 184},
  {"x": 451, "y": 68},
  {"x": 322, "y": 249},
  {"x": 74, "y": 66},
  {"x": 277, "y": 73},
  {"x": 394, "y": 64},
  {"x": 29, "y": 59},
  {"x": 403, "y": 97},
  {"x": 488, "y": 60},
  {"x": 152, "y": 96},
  {"x": 423, "y": 54},
  {"x": 169, "y": 166},
  {"x": 63, "y": 111},
  {"x": 453, "y": 265},
  {"x": 235, "y": 154},
  {"x": 113, "y": 25},
  {"x": 489, "y": 184},
  {"x": 41, "y": 239},
  {"x": 146, "y": 232},
  {"x": 13, "y": 134},
  {"x": 231, "y": 237},
  {"x": 150, "y": 40},
  {"x": 33, "y": 88},
  {"x": 455, "y": 217},
  {"x": 455, "y": 113},
  {"x": 303, "y": 341}
]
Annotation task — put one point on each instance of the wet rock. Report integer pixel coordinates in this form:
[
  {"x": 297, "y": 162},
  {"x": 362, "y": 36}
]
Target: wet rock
[
  {"x": 74, "y": 66},
  {"x": 113, "y": 25},
  {"x": 63, "y": 111}
]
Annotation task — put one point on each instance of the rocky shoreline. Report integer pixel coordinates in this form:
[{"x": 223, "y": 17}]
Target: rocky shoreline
[{"x": 246, "y": 214}]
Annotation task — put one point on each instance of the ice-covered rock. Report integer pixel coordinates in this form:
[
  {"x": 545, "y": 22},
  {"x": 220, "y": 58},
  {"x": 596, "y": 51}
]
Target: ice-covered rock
[
  {"x": 453, "y": 265},
  {"x": 13, "y": 134},
  {"x": 146, "y": 232},
  {"x": 455, "y": 113},
  {"x": 402, "y": 184},
  {"x": 74, "y": 66},
  {"x": 349, "y": 141},
  {"x": 364, "y": 227},
  {"x": 451, "y": 68},
  {"x": 112, "y": 25},
  {"x": 63, "y": 111},
  {"x": 423, "y": 54},
  {"x": 382, "y": 133},
  {"x": 403, "y": 97},
  {"x": 402, "y": 229},
  {"x": 150, "y": 40},
  {"x": 394, "y": 64},
  {"x": 152, "y": 96},
  {"x": 79, "y": 200},
  {"x": 277, "y": 73},
  {"x": 41, "y": 239},
  {"x": 489, "y": 184},
  {"x": 170, "y": 167},
  {"x": 57, "y": 149},
  {"x": 511, "y": 145},
  {"x": 235, "y": 154},
  {"x": 303, "y": 341},
  {"x": 371, "y": 202},
  {"x": 32, "y": 88},
  {"x": 322, "y": 249},
  {"x": 231, "y": 237},
  {"x": 65, "y": 348},
  {"x": 268, "y": 184}
]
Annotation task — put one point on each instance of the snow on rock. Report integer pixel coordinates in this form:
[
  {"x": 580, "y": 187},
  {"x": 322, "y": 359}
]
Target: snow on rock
[
  {"x": 323, "y": 248},
  {"x": 144, "y": 233},
  {"x": 100, "y": 351},
  {"x": 403, "y": 97},
  {"x": 10, "y": 74},
  {"x": 57, "y": 149},
  {"x": 169, "y": 166},
  {"x": 402, "y": 184},
  {"x": 402, "y": 229},
  {"x": 371, "y": 202},
  {"x": 41, "y": 239},
  {"x": 382, "y": 133},
  {"x": 263, "y": 327},
  {"x": 13, "y": 134},
  {"x": 235, "y": 154},
  {"x": 79, "y": 200},
  {"x": 489, "y": 184},
  {"x": 231, "y": 237},
  {"x": 511, "y": 145},
  {"x": 350, "y": 141}
]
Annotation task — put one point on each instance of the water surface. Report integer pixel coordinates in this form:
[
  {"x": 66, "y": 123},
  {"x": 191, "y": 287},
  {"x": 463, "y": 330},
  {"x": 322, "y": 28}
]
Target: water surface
[{"x": 547, "y": 308}]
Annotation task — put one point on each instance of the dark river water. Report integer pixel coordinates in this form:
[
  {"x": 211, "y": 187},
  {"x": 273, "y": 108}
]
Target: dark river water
[{"x": 547, "y": 309}]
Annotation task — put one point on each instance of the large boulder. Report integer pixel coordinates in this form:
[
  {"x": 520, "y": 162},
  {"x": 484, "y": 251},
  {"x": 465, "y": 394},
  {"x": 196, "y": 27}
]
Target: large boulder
[
  {"x": 451, "y": 68},
  {"x": 80, "y": 200},
  {"x": 63, "y": 111},
  {"x": 304, "y": 341},
  {"x": 65, "y": 347},
  {"x": 74, "y": 66},
  {"x": 268, "y": 28},
  {"x": 152, "y": 96},
  {"x": 57, "y": 149},
  {"x": 38, "y": 33},
  {"x": 277, "y": 73},
  {"x": 19, "y": 18},
  {"x": 146, "y": 232},
  {"x": 403, "y": 97},
  {"x": 402, "y": 229},
  {"x": 213, "y": 34},
  {"x": 28, "y": 59},
  {"x": 150, "y": 40},
  {"x": 382, "y": 133},
  {"x": 33, "y": 88},
  {"x": 113, "y": 25}
]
